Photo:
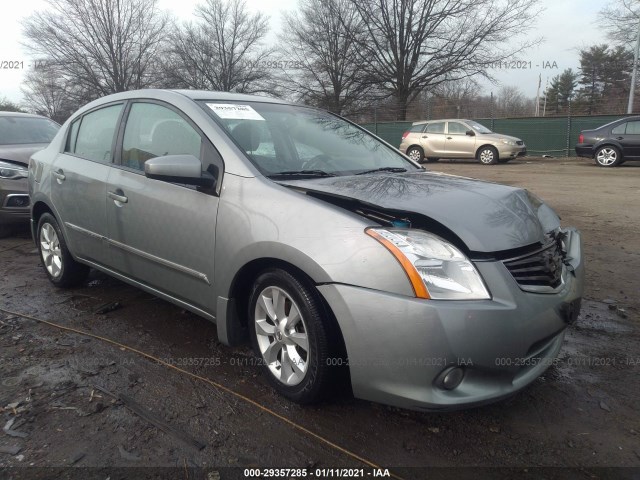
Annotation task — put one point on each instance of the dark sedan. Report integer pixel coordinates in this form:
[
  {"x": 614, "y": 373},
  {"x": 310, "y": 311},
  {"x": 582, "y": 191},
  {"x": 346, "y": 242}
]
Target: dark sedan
[
  {"x": 21, "y": 135},
  {"x": 613, "y": 143}
]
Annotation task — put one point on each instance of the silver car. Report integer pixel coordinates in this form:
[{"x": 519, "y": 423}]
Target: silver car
[
  {"x": 458, "y": 138},
  {"x": 334, "y": 253}
]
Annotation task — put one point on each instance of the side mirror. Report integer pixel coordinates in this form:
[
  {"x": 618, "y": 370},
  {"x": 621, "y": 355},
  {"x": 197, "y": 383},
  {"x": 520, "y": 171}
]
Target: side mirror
[
  {"x": 185, "y": 169},
  {"x": 471, "y": 133}
]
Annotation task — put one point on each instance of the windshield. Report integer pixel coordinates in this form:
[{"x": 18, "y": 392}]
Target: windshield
[
  {"x": 478, "y": 127},
  {"x": 293, "y": 140},
  {"x": 23, "y": 130}
]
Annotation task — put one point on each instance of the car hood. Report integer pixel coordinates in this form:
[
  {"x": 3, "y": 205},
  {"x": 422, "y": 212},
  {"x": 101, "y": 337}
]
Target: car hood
[
  {"x": 20, "y": 153},
  {"x": 487, "y": 217}
]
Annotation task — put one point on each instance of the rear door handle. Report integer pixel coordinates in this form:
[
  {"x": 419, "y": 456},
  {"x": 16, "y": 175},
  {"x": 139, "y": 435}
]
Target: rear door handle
[
  {"x": 424, "y": 136},
  {"x": 620, "y": 138},
  {"x": 59, "y": 174},
  {"x": 449, "y": 138},
  {"x": 118, "y": 198}
]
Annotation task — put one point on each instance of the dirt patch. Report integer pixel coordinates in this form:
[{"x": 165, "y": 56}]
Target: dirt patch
[{"x": 582, "y": 413}]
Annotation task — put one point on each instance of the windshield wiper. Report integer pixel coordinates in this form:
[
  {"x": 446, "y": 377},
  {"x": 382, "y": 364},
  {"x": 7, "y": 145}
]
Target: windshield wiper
[
  {"x": 302, "y": 173},
  {"x": 384, "y": 169}
]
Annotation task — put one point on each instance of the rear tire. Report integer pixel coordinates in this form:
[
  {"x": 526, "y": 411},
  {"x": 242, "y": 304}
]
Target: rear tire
[
  {"x": 416, "y": 154},
  {"x": 608, "y": 156},
  {"x": 290, "y": 336},
  {"x": 61, "y": 268},
  {"x": 488, "y": 155}
]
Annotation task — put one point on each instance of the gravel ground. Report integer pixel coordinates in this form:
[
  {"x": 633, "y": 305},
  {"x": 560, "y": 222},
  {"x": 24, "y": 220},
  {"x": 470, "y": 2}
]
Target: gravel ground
[{"x": 66, "y": 395}]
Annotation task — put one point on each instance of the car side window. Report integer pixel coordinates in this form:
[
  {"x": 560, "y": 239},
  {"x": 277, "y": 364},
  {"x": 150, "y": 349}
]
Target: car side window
[
  {"x": 619, "y": 129},
  {"x": 153, "y": 130},
  {"x": 417, "y": 128},
  {"x": 437, "y": 127},
  {"x": 457, "y": 128},
  {"x": 633, "y": 128},
  {"x": 95, "y": 134}
]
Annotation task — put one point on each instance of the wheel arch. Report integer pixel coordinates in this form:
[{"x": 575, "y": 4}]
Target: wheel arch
[
  {"x": 608, "y": 143},
  {"x": 484, "y": 145},
  {"x": 232, "y": 319}
]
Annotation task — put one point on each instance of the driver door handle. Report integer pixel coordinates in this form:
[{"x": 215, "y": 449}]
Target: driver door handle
[
  {"x": 620, "y": 138},
  {"x": 449, "y": 138},
  {"x": 424, "y": 136},
  {"x": 117, "y": 197},
  {"x": 59, "y": 174}
]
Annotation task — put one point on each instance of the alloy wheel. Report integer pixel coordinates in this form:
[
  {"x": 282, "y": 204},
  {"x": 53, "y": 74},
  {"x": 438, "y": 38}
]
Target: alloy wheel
[
  {"x": 607, "y": 156},
  {"x": 486, "y": 156},
  {"x": 282, "y": 336},
  {"x": 50, "y": 248}
]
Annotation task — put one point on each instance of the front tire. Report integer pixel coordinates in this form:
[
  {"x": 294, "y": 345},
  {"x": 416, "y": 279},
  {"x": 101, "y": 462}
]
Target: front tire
[
  {"x": 608, "y": 156},
  {"x": 488, "y": 155},
  {"x": 61, "y": 268},
  {"x": 288, "y": 333},
  {"x": 416, "y": 154}
]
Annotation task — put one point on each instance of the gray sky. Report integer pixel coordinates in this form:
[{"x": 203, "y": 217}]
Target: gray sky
[{"x": 566, "y": 25}]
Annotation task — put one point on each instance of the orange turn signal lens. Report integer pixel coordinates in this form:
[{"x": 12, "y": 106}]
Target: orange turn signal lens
[{"x": 414, "y": 277}]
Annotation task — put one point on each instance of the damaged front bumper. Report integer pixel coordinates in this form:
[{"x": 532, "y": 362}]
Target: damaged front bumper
[{"x": 400, "y": 349}]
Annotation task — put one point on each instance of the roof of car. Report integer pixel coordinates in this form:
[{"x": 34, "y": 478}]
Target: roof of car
[
  {"x": 19, "y": 114},
  {"x": 422, "y": 122},
  {"x": 228, "y": 96}
]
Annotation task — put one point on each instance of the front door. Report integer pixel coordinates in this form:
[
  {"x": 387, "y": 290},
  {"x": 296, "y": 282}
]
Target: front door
[
  {"x": 161, "y": 234},
  {"x": 458, "y": 144}
]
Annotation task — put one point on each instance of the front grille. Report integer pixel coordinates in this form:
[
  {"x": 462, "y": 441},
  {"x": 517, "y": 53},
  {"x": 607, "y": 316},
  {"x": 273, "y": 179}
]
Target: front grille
[{"x": 540, "y": 269}]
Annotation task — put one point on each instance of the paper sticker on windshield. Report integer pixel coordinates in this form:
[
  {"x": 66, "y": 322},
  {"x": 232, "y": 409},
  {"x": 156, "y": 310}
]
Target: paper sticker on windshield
[{"x": 235, "y": 111}]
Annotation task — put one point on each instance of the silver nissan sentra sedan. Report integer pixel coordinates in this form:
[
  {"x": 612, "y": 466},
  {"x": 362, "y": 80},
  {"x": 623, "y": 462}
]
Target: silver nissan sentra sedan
[{"x": 334, "y": 253}]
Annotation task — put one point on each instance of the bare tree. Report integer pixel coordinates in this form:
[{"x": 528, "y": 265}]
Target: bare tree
[
  {"x": 510, "y": 102},
  {"x": 320, "y": 42},
  {"x": 622, "y": 20},
  {"x": 412, "y": 45},
  {"x": 101, "y": 46},
  {"x": 223, "y": 50},
  {"x": 47, "y": 92}
]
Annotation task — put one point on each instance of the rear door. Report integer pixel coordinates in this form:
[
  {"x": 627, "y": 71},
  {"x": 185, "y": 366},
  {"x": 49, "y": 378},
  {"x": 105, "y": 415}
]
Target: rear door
[
  {"x": 78, "y": 181},
  {"x": 162, "y": 234},
  {"x": 432, "y": 140},
  {"x": 458, "y": 144},
  {"x": 630, "y": 139}
]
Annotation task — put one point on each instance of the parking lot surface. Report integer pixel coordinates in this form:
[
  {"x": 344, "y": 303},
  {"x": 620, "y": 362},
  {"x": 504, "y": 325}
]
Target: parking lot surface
[{"x": 64, "y": 394}]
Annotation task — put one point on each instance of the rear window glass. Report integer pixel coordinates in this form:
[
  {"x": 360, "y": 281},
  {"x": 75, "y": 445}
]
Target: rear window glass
[
  {"x": 95, "y": 137},
  {"x": 633, "y": 128},
  {"x": 435, "y": 127}
]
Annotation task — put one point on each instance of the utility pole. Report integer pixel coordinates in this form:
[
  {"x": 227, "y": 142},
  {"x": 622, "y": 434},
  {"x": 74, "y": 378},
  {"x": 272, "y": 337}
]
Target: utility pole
[{"x": 635, "y": 72}]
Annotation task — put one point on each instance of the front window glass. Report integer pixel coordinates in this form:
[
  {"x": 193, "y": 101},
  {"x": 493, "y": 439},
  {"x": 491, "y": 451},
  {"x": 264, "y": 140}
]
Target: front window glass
[
  {"x": 95, "y": 137},
  {"x": 457, "y": 128},
  {"x": 479, "y": 127},
  {"x": 291, "y": 140},
  {"x": 154, "y": 131},
  {"x": 17, "y": 130}
]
